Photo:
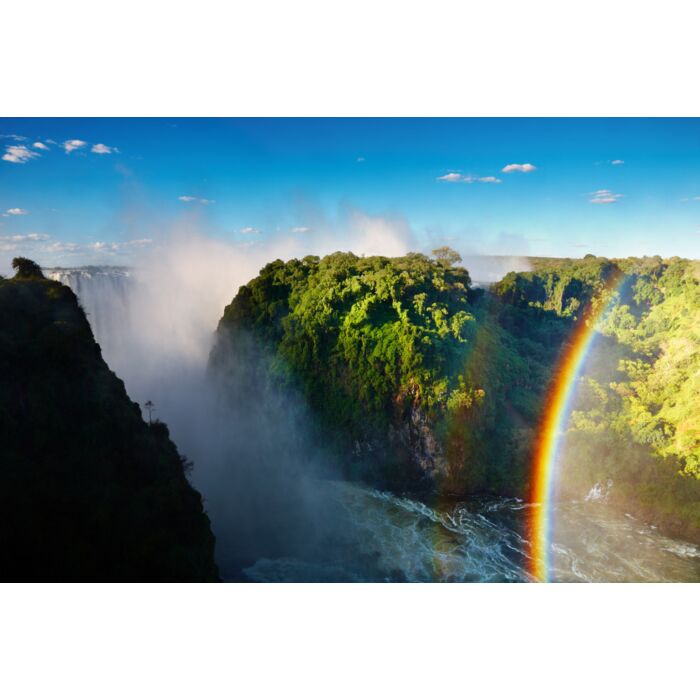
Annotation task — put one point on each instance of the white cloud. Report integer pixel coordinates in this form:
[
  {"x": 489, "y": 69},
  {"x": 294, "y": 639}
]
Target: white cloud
[
  {"x": 605, "y": 197},
  {"x": 16, "y": 211},
  {"x": 189, "y": 198},
  {"x": 41, "y": 146},
  {"x": 73, "y": 145},
  {"x": 458, "y": 177},
  {"x": 102, "y": 149},
  {"x": 62, "y": 247},
  {"x": 41, "y": 245},
  {"x": 106, "y": 246},
  {"x": 451, "y": 177},
  {"x": 19, "y": 154},
  {"x": 101, "y": 245},
  {"x": 249, "y": 230},
  {"x": 361, "y": 159},
  {"x": 19, "y": 237},
  {"x": 301, "y": 229},
  {"x": 519, "y": 168},
  {"x": 617, "y": 162}
]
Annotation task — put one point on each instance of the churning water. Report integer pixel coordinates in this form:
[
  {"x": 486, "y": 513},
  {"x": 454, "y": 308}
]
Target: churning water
[{"x": 393, "y": 538}]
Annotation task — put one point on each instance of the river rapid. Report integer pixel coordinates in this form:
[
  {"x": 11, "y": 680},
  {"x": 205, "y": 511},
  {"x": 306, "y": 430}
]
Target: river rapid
[{"x": 385, "y": 537}]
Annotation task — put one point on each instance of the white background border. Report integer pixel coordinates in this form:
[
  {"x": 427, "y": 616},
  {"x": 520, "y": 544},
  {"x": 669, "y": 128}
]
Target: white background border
[{"x": 353, "y": 58}]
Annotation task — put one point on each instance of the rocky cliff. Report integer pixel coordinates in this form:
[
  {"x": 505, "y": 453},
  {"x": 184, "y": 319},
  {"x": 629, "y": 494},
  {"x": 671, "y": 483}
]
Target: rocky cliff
[{"x": 88, "y": 490}]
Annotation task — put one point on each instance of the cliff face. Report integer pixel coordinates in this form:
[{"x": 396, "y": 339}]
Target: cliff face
[{"x": 88, "y": 490}]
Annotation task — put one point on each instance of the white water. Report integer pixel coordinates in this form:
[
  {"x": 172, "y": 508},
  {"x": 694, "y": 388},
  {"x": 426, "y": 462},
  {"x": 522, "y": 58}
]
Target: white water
[{"x": 392, "y": 538}]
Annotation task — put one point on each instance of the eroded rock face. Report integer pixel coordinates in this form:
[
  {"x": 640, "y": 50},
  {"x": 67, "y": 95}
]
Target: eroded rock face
[{"x": 413, "y": 435}]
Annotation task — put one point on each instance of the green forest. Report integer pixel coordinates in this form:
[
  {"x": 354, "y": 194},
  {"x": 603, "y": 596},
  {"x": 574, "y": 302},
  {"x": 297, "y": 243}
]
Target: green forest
[{"x": 419, "y": 381}]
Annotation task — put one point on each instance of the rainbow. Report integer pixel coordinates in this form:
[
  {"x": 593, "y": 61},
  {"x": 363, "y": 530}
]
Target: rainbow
[{"x": 552, "y": 425}]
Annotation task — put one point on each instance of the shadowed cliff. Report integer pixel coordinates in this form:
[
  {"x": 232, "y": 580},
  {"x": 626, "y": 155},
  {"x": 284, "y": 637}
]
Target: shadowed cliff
[{"x": 88, "y": 490}]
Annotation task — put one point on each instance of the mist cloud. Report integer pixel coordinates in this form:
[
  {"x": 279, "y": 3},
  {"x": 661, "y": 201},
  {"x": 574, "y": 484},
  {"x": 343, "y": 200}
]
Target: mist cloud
[{"x": 256, "y": 461}]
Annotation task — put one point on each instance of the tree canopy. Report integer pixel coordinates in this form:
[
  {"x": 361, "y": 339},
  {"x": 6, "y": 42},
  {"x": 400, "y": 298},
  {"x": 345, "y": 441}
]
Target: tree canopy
[{"x": 26, "y": 269}]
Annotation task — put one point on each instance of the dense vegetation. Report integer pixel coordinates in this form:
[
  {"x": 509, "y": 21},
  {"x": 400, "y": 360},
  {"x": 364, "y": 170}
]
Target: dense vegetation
[
  {"x": 637, "y": 419},
  {"x": 418, "y": 381},
  {"x": 409, "y": 373},
  {"x": 88, "y": 490}
]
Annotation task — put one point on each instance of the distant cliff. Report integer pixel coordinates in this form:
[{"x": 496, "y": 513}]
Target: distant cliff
[{"x": 88, "y": 490}]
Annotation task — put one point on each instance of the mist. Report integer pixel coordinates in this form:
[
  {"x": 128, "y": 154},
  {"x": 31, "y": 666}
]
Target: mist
[
  {"x": 484, "y": 270},
  {"x": 255, "y": 463}
]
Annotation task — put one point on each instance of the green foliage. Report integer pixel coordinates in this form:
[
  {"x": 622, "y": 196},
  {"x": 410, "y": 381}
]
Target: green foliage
[
  {"x": 562, "y": 286},
  {"x": 394, "y": 354},
  {"x": 88, "y": 490},
  {"x": 26, "y": 269},
  {"x": 641, "y": 389}
]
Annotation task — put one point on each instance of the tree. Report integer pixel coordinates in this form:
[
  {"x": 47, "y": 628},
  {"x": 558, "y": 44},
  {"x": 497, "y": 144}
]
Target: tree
[
  {"x": 187, "y": 464},
  {"x": 150, "y": 407},
  {"x": 446, "y": 256},
  {"x": 26, "y": 269}
]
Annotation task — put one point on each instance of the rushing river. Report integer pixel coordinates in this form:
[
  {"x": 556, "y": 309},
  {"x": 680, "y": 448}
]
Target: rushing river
[{"x": 390, "y": 538}]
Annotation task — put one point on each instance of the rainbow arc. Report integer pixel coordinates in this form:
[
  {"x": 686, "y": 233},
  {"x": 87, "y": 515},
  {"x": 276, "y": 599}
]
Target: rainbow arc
[{"x": 545, "y": 466}]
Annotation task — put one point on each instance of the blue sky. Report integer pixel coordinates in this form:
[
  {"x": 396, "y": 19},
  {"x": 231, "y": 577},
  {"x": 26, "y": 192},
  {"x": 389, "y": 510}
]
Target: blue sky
[{"x": 76, "y": 191}]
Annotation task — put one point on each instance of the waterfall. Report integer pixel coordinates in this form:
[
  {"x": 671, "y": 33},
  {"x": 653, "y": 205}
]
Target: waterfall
[{"x": 103, "y": 293}]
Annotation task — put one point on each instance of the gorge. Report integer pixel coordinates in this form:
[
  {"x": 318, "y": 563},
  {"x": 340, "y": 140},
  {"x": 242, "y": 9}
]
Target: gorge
[{"x": 339, "y": 470}]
